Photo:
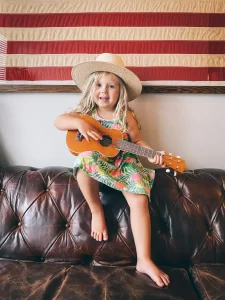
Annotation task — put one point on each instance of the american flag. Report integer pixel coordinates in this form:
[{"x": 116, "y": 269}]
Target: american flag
[{"x": 168, "y": 42}]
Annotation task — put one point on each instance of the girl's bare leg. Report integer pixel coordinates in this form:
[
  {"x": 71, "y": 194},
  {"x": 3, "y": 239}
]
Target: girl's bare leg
[
  {"x": 90, "y": 189},
  {"x": 141, "y": 228}
]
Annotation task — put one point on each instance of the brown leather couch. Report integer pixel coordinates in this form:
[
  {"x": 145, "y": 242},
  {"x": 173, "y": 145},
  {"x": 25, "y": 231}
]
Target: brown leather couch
[{"x": 47, "y": 252}]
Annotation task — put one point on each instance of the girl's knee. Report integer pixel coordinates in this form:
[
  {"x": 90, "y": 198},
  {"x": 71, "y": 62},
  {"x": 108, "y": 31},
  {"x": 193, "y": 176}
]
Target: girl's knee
[
  {"x": 82, "y": 174},
  {"x": 138, "y": 202},
  {"x": 84, "y": 177}
]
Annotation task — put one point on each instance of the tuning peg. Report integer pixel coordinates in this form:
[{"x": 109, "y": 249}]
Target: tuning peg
[
  {"x": 178, "y": 156},
  {"x": 175, "y": 173},
  {"x": 170, "y": 154},
  {"x": 167, "y": 170}
]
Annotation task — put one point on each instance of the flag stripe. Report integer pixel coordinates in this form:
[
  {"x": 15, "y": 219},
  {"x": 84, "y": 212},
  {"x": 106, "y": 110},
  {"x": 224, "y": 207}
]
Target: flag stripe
[
  {"x": 144, "y": 83},
  {"x": 160, "y": 40},
  {"x": 113, "y": 20},
  {"x": 114, "y": 33},
  {"x": 144, "y": 73},
  {"x": 93, "y": 47},
  {"x": 59, "y": 6},
  {"x": 58, "y": 60}
]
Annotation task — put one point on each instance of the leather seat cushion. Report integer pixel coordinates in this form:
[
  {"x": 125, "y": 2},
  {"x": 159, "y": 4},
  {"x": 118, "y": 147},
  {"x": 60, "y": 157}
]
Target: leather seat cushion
[
  {"x": 30, "y": 280},
  {"x": 209, "y": 280}
]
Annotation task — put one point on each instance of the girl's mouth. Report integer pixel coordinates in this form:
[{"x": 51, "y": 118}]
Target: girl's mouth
[{"x": 104, "y": 98}]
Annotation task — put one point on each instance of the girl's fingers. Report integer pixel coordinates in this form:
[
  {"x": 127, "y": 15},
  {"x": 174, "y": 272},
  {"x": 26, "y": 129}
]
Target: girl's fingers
[
  {"x": 85, "y": 136},
  {"x": 92, "y": 135},
  {"x": 158, "y": 160},
  {"x": 161, "y": 160},
  {"x": 95, "y": 135}
]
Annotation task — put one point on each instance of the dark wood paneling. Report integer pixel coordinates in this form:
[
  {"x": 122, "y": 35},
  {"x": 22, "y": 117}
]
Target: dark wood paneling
[{"x": 146, "y": 89}]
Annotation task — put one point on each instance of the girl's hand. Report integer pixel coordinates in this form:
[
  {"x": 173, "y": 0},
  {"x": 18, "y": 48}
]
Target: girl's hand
[
  {"x": 158, "y": 159},
  {"x": 88, "y": 130}
]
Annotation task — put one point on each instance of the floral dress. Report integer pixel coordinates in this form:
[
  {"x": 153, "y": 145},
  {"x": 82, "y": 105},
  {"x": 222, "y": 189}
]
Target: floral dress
[{"x": 124, "y": 172}]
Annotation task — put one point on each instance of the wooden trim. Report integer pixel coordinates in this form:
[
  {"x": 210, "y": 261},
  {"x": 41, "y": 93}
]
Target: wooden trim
[
  {"x": 184, "y": 89},
  {"x": 146, "y": 89},
  {"x": 39, "y": 88}
]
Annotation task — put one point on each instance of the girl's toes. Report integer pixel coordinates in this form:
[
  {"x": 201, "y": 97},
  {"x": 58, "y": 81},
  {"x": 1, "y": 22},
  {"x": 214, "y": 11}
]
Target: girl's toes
[
  {"x": 97, "y": 236},
  {"x": 159, "y": 282},
  {"x": 105, "y": 236},
  {"x": 166, "y": 279}
]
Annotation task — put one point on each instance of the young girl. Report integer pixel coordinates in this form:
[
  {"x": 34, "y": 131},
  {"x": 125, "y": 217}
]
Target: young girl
[{"x": 109, "y": 87}]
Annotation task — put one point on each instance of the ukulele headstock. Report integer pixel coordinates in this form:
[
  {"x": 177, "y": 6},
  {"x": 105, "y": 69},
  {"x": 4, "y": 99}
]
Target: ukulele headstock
[{"x": 173, "y": 162}]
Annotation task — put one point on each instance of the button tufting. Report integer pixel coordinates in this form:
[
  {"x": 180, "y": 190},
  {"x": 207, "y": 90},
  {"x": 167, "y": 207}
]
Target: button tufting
[
  {"x": 67, "y": 225},
  {"x": 19, "y": 224},
  {"x": 210, "y": 230},
  {"x": 42, "y": 259}
]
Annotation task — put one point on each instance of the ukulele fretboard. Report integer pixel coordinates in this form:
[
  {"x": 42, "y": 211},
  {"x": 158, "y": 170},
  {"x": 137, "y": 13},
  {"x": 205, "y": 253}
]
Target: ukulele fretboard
[{"x": 136, "y": 149}]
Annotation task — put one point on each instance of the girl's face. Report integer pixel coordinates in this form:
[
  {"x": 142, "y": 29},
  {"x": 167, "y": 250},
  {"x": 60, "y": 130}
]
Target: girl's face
[{"x": 107, "y": 91}]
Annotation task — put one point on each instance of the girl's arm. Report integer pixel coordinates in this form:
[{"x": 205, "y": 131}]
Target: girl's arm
[
  {"x": 68, "y": 122},
  {"x": 134, "y": 132},
  {"x": 72, "y": 121},
  {"x": 136, "y": 138}
]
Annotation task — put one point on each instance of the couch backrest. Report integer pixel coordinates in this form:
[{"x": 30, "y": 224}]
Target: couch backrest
[
  {"x": 44, "y": 217},
  {"x": 188, "y": 216}
]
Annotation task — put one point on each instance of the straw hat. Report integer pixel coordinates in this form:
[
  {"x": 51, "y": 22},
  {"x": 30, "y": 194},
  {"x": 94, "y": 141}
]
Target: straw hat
[{"x": 112, "y": 63}]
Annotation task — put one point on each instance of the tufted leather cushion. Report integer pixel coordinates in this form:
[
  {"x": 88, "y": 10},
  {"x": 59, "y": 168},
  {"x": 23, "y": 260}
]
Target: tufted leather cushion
[
  {"x": 44, "y": 217},
  {"x": 20, "y": 280},
  {"x": 210, "y": 280},
  {"x": 188, "y": 217}
]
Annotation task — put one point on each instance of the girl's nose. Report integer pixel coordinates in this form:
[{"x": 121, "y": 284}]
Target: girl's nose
[{"x": 103, "y": 89}]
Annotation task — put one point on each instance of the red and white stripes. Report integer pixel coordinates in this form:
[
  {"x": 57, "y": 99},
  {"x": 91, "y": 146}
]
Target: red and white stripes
[{"x": 166, "y": 41}]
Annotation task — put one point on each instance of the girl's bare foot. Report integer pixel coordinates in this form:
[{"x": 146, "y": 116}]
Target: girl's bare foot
[
  {"x": 98, "y": 226},
  {"x": 148, "y": 267}
]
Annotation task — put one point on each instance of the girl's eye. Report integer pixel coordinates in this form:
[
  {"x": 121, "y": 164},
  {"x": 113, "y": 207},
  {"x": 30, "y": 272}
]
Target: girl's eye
[
  {"x": 111, "y": 86},
  {"x": 98, "y": 84}
]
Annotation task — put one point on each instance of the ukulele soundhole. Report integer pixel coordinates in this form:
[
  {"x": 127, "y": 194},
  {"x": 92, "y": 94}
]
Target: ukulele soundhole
[
  {"x": 79, "y": 136},
  {"x": 106, "y": 141}
]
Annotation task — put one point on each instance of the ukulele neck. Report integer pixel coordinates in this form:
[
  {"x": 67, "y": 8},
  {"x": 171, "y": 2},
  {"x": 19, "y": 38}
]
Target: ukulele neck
[{"x": 136, "y": 149}]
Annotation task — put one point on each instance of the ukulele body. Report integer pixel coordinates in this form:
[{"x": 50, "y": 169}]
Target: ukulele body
[{"x": 107, "y": 146}]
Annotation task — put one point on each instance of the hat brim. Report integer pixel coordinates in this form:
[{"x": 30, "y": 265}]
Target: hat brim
[{"x": 82, "y": 71}]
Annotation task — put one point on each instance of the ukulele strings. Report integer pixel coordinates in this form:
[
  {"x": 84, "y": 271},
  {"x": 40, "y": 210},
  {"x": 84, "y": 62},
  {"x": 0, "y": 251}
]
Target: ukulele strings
[{"x": 109, "y": 142}]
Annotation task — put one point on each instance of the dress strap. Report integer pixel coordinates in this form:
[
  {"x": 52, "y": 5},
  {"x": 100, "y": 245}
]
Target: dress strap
[{"x": 94, "y": 114}]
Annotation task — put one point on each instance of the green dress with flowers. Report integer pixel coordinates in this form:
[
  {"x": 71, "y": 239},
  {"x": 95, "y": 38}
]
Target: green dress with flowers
[{"x": 124, "y": 172}]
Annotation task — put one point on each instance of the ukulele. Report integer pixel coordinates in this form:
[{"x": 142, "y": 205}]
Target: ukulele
[{"x": 112, "y": 142}]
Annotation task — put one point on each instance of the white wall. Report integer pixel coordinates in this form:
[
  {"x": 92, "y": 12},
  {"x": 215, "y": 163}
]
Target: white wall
[{"x": 191, "y": 126}]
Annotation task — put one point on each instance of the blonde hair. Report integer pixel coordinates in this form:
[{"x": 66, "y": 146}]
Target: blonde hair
[{"x": 87, "y": 103}]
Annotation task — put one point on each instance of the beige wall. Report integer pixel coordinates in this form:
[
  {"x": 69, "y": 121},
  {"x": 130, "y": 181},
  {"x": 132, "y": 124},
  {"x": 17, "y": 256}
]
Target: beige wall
[{"x": 191, "y": 126}]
